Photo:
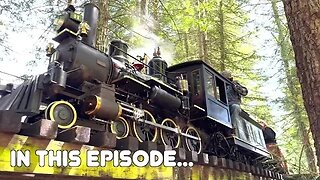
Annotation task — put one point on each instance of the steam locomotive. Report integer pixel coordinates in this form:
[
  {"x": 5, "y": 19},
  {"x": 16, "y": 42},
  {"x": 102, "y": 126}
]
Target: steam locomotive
[{"x": 182, "y": 106}]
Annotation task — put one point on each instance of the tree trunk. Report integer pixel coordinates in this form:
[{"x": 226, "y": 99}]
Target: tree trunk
[
  {"x": 155, "y": 9},
  {"x": 199, "y": 35},
  {"x": 304, "y": 25},
  {"x": 294, "y": 90},
  {"x": 103, "y": 25},
  {"x": 222, "y": 46},
  {"x": 186, "y": 44},
  {"x": 204, "y": 36},
  {"x": 144, "y": 7},
  {"x": 200, "y": 44},
  {"x": 205, "y": 47}
]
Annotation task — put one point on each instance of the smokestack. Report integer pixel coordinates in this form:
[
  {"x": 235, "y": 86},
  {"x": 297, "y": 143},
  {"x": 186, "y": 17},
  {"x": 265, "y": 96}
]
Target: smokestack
[{"x": 91, "y": 16}]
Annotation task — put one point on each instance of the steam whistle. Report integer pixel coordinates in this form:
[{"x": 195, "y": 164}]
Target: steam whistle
[
  {"x": 156, "y": 52},
  {"x": 145, "y": 62}
]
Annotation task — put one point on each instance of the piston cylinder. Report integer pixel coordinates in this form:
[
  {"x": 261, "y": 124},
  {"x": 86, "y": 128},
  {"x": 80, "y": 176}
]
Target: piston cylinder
[{"x": 102, "y": 108}]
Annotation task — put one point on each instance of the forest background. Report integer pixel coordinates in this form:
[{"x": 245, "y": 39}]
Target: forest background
[{"x": 250, "y": 38}]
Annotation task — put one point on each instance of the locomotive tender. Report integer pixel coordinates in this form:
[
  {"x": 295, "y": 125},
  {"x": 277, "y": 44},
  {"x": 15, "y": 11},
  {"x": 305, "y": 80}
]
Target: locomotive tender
[{"x": 182, "y": 106}]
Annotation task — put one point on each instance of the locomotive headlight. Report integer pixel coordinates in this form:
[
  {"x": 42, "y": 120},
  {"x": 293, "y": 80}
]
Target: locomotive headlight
[
  {"x": 68, "y": 21},
  {"x": 58, "y": 22}
]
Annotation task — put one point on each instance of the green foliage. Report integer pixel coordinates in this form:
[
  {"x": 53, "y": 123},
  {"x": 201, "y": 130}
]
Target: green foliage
[
  {"x": 33, "y": 20},
  {"x": 212, "y": 30},
  {"x": 11, "y": 12},
  {"x": 120, "y": 22}
]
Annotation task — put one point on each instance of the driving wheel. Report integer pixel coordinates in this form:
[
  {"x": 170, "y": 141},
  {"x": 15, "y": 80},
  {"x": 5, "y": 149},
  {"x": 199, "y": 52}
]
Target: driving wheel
[
  {"x": 168, "y": 137},
  {"x": 193, "y": 144},
  {"x": 143, "y": 131},
  {"x": 221, "y": 145}
]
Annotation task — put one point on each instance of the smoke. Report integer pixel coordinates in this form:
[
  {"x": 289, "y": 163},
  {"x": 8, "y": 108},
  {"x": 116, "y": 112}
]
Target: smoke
[{"x": 143, "y": 31}]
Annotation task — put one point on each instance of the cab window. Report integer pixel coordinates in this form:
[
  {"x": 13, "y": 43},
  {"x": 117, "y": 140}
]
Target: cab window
[
  {"x": 210, "y": 84},
  {"x": 220, "y": 91},
  {"x": 196, "y": 82}
]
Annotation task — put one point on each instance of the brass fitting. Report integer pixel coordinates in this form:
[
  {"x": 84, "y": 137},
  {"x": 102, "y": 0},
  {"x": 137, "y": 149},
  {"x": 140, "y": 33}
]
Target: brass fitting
[
  {"x": 84, "y": 29},
  {"x": 50, "y": 49}
]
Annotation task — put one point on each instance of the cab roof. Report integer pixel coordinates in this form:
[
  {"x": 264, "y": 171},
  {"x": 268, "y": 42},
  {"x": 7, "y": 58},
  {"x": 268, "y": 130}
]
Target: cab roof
[{"x": 195, "y": 62}]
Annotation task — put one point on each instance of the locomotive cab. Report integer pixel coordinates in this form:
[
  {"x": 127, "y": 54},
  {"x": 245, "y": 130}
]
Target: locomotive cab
[
  {"x": 210, "y": 109},
  {"x": 207, "y": 93}
]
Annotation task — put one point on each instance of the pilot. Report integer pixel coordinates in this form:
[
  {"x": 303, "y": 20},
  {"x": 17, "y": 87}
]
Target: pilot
[{"x": 234, "y": 92}]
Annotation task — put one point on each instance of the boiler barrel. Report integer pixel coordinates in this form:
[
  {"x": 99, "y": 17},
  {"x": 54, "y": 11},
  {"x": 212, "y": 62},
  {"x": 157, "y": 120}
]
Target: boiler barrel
[{"x": 91, "y": 65}]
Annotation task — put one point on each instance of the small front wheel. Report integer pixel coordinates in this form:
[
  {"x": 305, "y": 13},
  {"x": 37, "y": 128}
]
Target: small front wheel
[
  {"x": 120, "y": 127},
  {"x": 63, "y": 113}
]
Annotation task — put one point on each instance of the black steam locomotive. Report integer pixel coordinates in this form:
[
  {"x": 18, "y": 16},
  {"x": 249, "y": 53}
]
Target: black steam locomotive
[{"x": 182, "y": 106}]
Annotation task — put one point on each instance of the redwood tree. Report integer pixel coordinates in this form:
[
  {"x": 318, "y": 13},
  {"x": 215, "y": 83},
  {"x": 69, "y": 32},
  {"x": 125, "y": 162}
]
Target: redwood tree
[{"x": 304, "y": 24}]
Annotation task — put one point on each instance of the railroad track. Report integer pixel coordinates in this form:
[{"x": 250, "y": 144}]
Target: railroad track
[{"x": 44, "y": 135}]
